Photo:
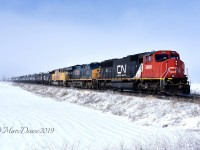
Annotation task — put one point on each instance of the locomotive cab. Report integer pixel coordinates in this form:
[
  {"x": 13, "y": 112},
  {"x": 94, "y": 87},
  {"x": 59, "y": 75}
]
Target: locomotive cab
[{"x": 163, "y": 64}]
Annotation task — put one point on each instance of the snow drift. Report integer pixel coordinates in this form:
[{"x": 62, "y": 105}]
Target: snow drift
[{"x": 146, "y": 111}]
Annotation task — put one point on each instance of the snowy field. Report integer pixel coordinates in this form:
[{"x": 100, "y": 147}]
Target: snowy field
[{"x": 52, "y": 119}]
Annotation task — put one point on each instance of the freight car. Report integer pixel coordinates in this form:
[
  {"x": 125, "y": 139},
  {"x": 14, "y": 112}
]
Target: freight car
[{"x": 158, "y": 72}]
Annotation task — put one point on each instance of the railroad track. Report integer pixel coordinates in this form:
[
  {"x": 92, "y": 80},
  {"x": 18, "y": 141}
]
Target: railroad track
[
  {"x": 194, "y": 96},
  {"x": 191, "y": 98}
]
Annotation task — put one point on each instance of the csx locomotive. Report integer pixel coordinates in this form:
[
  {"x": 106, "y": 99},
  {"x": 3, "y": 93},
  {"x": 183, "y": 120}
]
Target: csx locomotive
[{"x": 158, "y": 72}]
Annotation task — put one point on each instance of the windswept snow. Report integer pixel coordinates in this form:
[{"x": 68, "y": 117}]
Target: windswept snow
[
  {"x": 148, "y": 111},
  {"x": 23, "y": 116}
]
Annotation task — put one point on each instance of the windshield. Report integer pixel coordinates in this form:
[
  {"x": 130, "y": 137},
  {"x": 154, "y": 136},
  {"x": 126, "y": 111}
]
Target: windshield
[
  {"x": 174, "y": 56},
  {"x": 161, "y": 57}
]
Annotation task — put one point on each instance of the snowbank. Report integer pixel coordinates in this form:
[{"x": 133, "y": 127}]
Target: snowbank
[
  {"x": 195, "y": 88},
  {"x": 146, "y": 111}
]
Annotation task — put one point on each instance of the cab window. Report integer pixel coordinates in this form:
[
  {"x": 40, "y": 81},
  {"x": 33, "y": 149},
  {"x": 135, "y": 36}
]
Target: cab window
[
  {"x": 161, "y": 57},
  {"x": 148, "y": 58},
  {"x": 174, "y": 56}
]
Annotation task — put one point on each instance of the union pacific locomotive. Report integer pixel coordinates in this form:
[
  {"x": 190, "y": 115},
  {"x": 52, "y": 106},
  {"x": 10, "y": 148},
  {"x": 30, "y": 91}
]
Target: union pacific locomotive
[{"x": 156, "y": 72}]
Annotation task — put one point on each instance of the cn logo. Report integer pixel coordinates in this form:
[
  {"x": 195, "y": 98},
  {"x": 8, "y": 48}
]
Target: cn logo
[{"x": 121, "y": 69}]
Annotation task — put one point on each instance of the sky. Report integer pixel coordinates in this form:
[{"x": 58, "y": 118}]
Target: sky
[{"x": 43, "y": 35}]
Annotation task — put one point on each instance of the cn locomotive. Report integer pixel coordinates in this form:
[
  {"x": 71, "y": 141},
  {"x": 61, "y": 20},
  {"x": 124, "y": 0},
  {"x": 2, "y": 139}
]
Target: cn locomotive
[{"x": 159, "y": 71}]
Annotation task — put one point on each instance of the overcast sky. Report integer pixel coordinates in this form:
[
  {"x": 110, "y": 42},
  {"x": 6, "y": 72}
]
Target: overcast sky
[{"x": 42, "y": 35}]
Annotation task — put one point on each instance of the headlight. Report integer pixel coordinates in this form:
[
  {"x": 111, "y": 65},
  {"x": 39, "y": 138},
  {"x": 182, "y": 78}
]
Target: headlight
[{"x": 176, "y": 63}]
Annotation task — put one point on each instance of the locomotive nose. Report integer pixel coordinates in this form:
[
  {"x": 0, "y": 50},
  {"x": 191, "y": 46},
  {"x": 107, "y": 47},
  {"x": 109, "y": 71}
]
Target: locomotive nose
[{"x": 176, "y": 68}]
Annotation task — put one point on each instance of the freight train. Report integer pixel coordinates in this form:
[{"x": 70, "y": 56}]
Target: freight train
[{"x": 159, "y": 71}]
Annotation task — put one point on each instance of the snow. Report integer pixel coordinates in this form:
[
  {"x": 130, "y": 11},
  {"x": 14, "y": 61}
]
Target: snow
[
  {"x": 195, "y": 88},
  {"x": 148, "y": 111},
  {"x": 70, "y": 126}
]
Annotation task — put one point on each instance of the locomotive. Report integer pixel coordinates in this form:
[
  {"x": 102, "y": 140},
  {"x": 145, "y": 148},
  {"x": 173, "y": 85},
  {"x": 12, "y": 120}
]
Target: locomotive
[{"x": 159, "y": 71}]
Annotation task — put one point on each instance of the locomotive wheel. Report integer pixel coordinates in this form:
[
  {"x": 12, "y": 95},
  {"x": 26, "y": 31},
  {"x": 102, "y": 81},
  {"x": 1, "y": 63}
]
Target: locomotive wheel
[{"x": 170, "y": 90}]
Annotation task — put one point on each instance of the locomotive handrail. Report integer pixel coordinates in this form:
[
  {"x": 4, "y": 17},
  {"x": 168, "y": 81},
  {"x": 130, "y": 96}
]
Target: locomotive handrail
[{"x": 166, "y": 71}]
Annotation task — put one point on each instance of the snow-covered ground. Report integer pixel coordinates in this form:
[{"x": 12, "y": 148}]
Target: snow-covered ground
[
  {"x": 195, "y": 88},
  {"x": 145, "y": 111},
  {"x": 29, "y": 121}
]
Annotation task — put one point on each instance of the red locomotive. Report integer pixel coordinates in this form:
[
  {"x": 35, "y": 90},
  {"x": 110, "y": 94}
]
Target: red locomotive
[{"x": 165, "y": 70}]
